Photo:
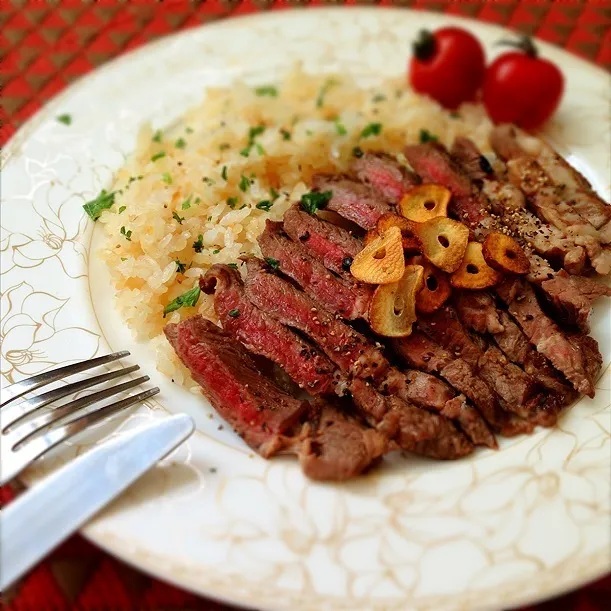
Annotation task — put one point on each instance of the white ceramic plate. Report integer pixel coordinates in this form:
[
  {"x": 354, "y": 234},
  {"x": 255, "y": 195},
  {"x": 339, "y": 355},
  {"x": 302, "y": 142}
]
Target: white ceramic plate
[{"x": 493, "y": 530}]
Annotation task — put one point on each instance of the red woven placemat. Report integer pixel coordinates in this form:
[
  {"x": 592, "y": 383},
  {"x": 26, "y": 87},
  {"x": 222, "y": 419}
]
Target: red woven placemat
[{"x": 46, "y": 45}]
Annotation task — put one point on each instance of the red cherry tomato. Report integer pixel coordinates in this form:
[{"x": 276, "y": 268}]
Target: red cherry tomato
[
  {"x": 448, "y": 65},
  {"x": 521, "y": 88}
]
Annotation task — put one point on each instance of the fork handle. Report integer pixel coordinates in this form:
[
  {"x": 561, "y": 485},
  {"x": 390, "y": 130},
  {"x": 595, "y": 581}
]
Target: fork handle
[{"x": 40, "y": 519}]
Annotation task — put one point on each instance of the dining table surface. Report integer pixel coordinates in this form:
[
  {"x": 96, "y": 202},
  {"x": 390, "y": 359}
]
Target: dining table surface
[{"x": 48, "y": 44}]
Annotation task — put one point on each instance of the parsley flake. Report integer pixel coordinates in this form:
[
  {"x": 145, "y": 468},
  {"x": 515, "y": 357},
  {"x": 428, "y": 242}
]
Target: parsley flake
[
  {"x": 373, "y": 129},
  {"x": 266, "y": 90},
  {"x": 232, "y": 201},
  {"x": 216, "y": 251},
  {"x": 264, "y": 205},
  {"x": 244, "y": 184},
  {"x": 127, "y": 234},
  {"x": 166, "y": 178},
  {"x": 180, "y": 267},
  {"x": 198, "y": 245},
  {"x": 224, "y": 173},
  {"x": 157, "y": 136},
  {"x": 224, "y": 146},
  {"x": 286, "y": 134},
  {"x": 188, "y": 299},
  {"x": 189, "y": 130},
  {"x": 340, "y": 128},
  {"x": 177, "y": 218},
  {"x": 234, "y": 313},
  {"x": 187, "y": 203},
  {"x": 313, "y": 201},
  {"x": 274, "y": 194},
  {"x": 208, "y": 180},
  {"x": 273, "y": 263},
  {"x": 357, "y": 151},
  {"x": 320, "y": 100},
  {"x": 66, "y": 119},
  {"x": 122, "y": 209},
  {"x": 180, "y": 143},
  {"x": 234, "y": 265},
  {"x": 159, "y": 155},
  {"x": 426, "y": 136},
  {"x": 378, "y": 97},
  {"x": 103, "y": 201}
]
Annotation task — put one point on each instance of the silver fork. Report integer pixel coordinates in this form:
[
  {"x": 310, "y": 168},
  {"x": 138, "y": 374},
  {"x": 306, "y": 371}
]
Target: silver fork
[{"x": 25, "y": 436}]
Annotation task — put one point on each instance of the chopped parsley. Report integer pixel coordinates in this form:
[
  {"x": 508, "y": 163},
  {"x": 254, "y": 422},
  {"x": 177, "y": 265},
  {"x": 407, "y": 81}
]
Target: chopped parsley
[
  {"x": 122, "y": 209},
  {"x": 224, "y": 146},
  {"x": 189, "y": 130},
  {"x": 244, "y": 184},
  {"x": 188, "y": 299},
  {"x": 180, "y": 143},
  {"x": 253, "y": 132},
  {"x": 134, "y": 179},
  {"x": 224, "y": 173},
  {"x": 157, "y": 136},
  {"x": 309, "y": 132},
  {"x": 232, "y": 201},
  {"x": 340, "y": 128},
  {"x": 273, "y": 263},
  {"x": 234, "y": 313},
  {"x": 216, "y": 251},
  {"x": 123, "y": 258},
  {"x": 187, "y": 203},
  {"x": 103, "y": 201},
  {"x": 267, "y": 90},
  {"x": 180, "y": 267},
  {"x": 320, "y": 100},
  {"x": 455, "y": 115},
  {"x": 156, "y": 156},
  {"x": 208, "y": 180},
  {"x": 357, "y": 151},
  {"x": 66, "y": 119},
  {"x": 166, "y": 178},
  {"x": 274, "y": 194},
  {"x": 264, "y": 205},
  {"x": 286, "y": 134},
  {"x": 234, "y": 265},
  {"x": 426, "y": 136},
  {"x": 198, "y": 245},
  {"x": 373, "y": 129},
  {"x": 378, "y": 97},
  {"x": 177, "y": 218},
  {"x": 313, "y": 201},
  {"x": 127, "y": 234}
]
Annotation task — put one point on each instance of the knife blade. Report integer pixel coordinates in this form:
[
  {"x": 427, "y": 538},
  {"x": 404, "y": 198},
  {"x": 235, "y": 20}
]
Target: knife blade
[{"x": 47, "y": 514}]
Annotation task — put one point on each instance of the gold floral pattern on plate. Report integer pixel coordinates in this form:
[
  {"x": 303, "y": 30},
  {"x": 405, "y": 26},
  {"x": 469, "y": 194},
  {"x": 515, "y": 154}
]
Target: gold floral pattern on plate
[{"x": 497, "y": 529}]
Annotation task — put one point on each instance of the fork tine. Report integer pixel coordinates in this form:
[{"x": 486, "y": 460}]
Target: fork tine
[
  {"x": 34, "y": 449},
  {"x": 42, "y": 379},
  {"x": 22, "y": 433},
  {"x": 17, "y": 411}
]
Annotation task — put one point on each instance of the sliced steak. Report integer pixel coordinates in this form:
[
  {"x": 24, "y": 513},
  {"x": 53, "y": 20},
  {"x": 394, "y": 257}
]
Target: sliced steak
[
  {"x": 427, "y": 391},
  {"x": 333, "y": 246},
  {"x": 412, "y": 428},
  {"x": 565, "y": 354},
  {"x": 264, "y": 335},
  {"x": 417, "y": 350},
  {"x": 385, "y": 175},
  {"x": 335, "y": 447},
  {"x": 352, "y": 200},
  {"x": 260, "y": 412},
  {"x": 353, "y": 353},
  {"x": 347, "y": 298},
  {"x": 516, "y": 390}
]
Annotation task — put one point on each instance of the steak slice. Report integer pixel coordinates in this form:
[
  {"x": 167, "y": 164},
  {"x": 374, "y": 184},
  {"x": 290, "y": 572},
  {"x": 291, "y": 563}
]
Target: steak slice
[
  {"x": 352, "y": 352},
  {"x": 417, "y": 350},
  {"x": 565, "y": 354},
  {"x": 264, "y": 335},
  {"x": 352, "y": 200},
  {"x": 385, "y": 175},
  {"x": 335, "y": 447},
  {"x": 333, "y": 246},
  {"x": 516, "y": 390},
  {"x": 260, "y": 412},
  {"x": 478, "y": 312},
  {"x": 347, "y": 298},
  {"x": 427, "y": 391},
  {"x": 413, "y": 429}
]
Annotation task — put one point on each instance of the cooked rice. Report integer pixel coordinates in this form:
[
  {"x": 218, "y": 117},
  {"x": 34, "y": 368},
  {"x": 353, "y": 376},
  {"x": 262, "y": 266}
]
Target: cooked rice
[{"x": 312, "y": 125}]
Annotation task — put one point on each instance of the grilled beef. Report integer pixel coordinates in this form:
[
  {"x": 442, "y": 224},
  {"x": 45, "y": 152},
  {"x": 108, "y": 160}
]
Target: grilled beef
[
  {"x": 577, "y": 193},
  {"x": 264, "y": 335},
  {"x": 257, "y": 409},
  {"x": 412, "y": 428},
  {"x": 333, "y": 246},
  {"x": 417, "y": 350},
  {"x": 335, "y": 447},
  {"x": 478, "y": 312},
  {"x": 345, "y": 297},
  {"x": 434, "y": 164},
  {"x": 385, "y": 175},
  {"x": 352, "y": 200},
  {"x": 566, "y": 354},
  {"x": 350, "y": 351}
]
